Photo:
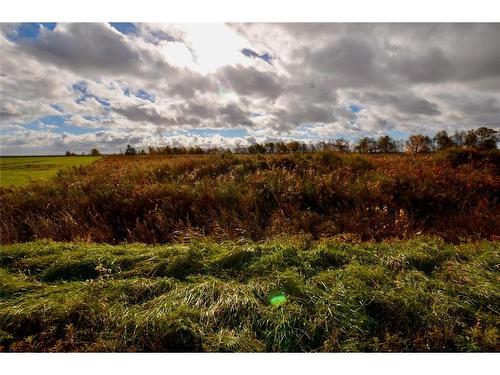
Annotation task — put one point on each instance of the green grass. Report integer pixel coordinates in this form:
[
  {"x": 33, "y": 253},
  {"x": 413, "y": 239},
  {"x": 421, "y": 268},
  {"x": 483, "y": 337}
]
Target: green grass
[
  {"x": 20, "y": 170},
  {"x": 416, "y": 295}
]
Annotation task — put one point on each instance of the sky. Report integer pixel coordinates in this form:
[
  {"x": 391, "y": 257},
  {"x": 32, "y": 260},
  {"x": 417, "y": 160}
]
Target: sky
[{"x": 77, "y": 86}]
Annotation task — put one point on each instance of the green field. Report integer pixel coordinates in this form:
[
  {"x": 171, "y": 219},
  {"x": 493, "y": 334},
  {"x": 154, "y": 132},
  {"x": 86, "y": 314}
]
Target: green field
[
  {"x": 304, "y": 252},
  {"x": 19, "y": 170},
  {"x": 285, "y": 294}
]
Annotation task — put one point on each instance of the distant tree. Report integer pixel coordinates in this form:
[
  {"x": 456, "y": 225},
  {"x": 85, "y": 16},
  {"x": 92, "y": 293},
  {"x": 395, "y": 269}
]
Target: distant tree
[
  {"x": 418, "y": 144},
  {"x": 470, "y": 138},
  {"x": 443, "y": 140},
  {"x": 196, "y": 150},
  {"x": 256, "y": 148},
  {"x": 281, "y": 147},
  {"x": 386, "y": 144},
  {"x": 486, "y": 138},
  {"x": 130, "y": 150},
  {"x": 69, "y": 153},
  {"x": 458, "y": 137},
  {"x": 322, "y": 146},
  {"x": 239, "y": 149},
  {"x": 143, "y": 152},
  {"x": 294, "y": 146},
  {"x": 366, "y": 145},
  {"x": 95, "y": 152},
  {"x": 270, "y": 147},
  {"x": 341, "y": 145}
]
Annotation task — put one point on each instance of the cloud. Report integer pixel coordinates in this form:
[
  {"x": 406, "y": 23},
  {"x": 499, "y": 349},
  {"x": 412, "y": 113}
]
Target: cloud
[
  {"x": 152, "y": 83},
  {"x": 94, "y": 49},
  {"x": 404, "y": 103},
  {"x": 249, "y": 81},
  {"x": 234, "y": 115},
  {"x": 430, "y": 66},
  {"x": 349, "y": 61}
]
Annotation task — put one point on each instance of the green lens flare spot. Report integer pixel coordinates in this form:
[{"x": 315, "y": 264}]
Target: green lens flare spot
[{"x": 277, "y": 299}]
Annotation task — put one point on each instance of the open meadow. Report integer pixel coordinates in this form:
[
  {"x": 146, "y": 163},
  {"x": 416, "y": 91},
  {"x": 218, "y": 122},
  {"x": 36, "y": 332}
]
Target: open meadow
[
  {"x": 316, "y": 251},
  {"x": 19, "y": 170},
  {"x": 310, "y": 188}
]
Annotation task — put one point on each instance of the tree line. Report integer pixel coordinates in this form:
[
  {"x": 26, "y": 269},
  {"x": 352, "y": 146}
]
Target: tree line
[
  {"x": 481, "y": 138},
  {"x": 93, "y": 152}
]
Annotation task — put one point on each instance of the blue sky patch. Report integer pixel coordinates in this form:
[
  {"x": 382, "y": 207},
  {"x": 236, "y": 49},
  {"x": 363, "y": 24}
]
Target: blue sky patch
[
  {"x": 397, "y": 134},
  {"x": 224, "y": 132},
  {"x": 252, "y": 54},
  {"x": 55, "y": 120},
  {"x": 145, "y": 96},
  {"x": 77, "y": 130},
  {"x": 81, "y": 87},
  {"x": 141, "y": 94},
  {"x": 124, "y": 27},
  {"x": 57, "y": 107},
  {"x": 93, "y": 118},
  {"x": 30, "y": 30},
  {"x": 58, "y": 121},
  {"x": 62, "y": 124},
  {"x": 162, "y": 35},
  {"x": 355, "y": 108}
]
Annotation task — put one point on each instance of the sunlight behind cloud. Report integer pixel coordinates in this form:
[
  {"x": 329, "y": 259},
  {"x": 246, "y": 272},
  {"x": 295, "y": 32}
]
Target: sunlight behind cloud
[
  {"x": 214, "y": 45},
  {"x": 138, "y": 82}
]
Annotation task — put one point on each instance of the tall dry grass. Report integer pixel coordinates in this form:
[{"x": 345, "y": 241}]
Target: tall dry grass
[{"x": 159, "y": 199}]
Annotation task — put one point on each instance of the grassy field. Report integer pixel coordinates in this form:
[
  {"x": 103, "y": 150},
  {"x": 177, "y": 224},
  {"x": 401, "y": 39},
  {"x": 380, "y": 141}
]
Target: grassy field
[
  {"x": 160, "y": 199},
  {"x": 19, "y": 170},
  {"x": 286, "y": 294},
  {"x": 289, "y": 252}
]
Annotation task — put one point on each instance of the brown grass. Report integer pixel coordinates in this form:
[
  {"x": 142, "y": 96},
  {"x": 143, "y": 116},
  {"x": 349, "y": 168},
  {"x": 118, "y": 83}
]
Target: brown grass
[{"x": 159, "y": 199}]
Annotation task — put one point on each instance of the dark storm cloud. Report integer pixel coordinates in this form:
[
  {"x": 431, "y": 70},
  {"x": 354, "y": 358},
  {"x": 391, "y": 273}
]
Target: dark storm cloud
[
  {"x": 469, "y": 104},
  {"x": 151, "y": 115},
  {"x": 351, "y": 61},
  {"x": 443, "y": 52},
  {"x": 96, "y": 49},
  {"x": 234, "y": 115},
  {"x": 432, "y": 66},
  {"x": 251, "y": 82},
  {"x": 403, "y": 103},
  {"x": 298, "y": 113},
  {"x": 199, "y": 110},
  {"x": 188, "y": 83},
  {"x": 8, "y": 111}
]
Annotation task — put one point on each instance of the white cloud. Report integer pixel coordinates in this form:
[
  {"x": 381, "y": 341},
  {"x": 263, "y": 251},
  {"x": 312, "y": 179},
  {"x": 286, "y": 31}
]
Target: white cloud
[{"x": 171, "y": 79}]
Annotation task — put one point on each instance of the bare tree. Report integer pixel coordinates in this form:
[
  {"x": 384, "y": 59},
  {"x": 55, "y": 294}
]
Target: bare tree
[
  {"x": 418, "y": 144},
  {"x": 386, "y": 144},
  {"x": 366, "y": 145},
  {"x": 443, "y": 140}
]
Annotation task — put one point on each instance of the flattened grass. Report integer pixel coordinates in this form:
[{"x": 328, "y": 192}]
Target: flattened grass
[{"x": 417, "y": 295}]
